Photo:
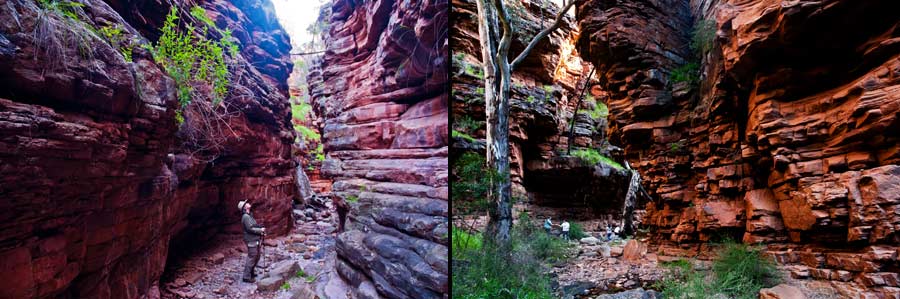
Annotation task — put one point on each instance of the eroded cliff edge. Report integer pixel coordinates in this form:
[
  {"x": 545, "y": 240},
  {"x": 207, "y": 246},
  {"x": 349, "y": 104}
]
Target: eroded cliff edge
[
  {"x": 97, "y": 184},
  {"x": 381, "y": 90}
]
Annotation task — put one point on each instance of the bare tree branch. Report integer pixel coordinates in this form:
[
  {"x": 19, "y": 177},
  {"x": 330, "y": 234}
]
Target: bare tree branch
[{"x": 537, "y": 38}]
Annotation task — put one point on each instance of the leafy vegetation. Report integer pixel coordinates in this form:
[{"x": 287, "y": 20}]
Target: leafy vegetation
[
  {"x": 114, "y": 36},
  {"x": 703, "y": 39},
  {"x": 470, "y": 183},
  {"x": 592, "y": 157},
  {"x": 600, "y": 110},
  {"x": 300, "y": 110},
  {"x": 675, "y": 147},
  {"x": 576, "y": 231},
  {"x": 304, "y": 276},
  {"x": 58, "y": 27},
  {"x": 688, "y": 72},
  {"x": 484, "y": 272},
  {"x": 464, "y": 242},
  {"x": 739, "y": 271},
  {"x": 703, "y": 36},
  {"x": 466, "y": 124},
  {"x": 307, "y": 133},
  {"x": 458, "y": 134},
  {"x": 320, "y": 153},
  {"x": 286, "y": 286},
  {"x": 193, "y": 61}
]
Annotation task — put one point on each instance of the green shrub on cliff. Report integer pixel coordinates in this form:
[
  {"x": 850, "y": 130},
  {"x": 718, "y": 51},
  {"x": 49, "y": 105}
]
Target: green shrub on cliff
[
  {"x": 703, "y": 36},
  {"x": 300, "y": 111},
  {"x": 116, "y": 39},
  {"x": 600, "y": 110},
  {"x": 196, "y": 63},
  {"x": 592, "y": 157},
  {"x": 688, "y": 72}
]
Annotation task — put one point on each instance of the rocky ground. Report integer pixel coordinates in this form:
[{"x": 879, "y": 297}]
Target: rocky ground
[
  {"x": 293, "y": 266},
  {"x": 604, "y": 267},
  {"x": 626, "y": 269}
]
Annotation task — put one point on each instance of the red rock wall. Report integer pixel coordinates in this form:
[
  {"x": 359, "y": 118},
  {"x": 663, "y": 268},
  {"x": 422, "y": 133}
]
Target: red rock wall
[
  {"x": 381, "y": 90},
  {"x": 789, "y": 138},
  {"x": 96, "y": 183},
  {"x": 543, "y": 101}
]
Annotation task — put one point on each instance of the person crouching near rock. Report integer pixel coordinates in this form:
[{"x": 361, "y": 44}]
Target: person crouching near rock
[{"x": 252, "y": 234}]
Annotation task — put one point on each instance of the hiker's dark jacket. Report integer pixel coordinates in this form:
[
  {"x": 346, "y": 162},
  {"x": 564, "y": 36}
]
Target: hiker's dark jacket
[{"x": 252, "y": 231}]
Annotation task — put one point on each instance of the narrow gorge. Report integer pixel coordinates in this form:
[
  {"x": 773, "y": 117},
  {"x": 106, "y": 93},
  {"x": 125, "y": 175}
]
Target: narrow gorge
[
  {"x": 769, "y": 123},
  {"x": 123, "y": 159}
]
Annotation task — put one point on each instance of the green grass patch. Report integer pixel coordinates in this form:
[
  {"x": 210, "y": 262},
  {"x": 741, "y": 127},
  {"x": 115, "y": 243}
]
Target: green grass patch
[
  {"x": 300, "y": 111},
  {"x": 458, "y": 134},
  {"x": 592, "y": 157},
  {"x": 600, "y": 110},
  {"x": 739, "y": 271},
  {"x": 307, "y": 133},
  {"x": 464, "y": 242},
  {"x": 286, "y": 286},
  {"x": 520, "y": 272}
]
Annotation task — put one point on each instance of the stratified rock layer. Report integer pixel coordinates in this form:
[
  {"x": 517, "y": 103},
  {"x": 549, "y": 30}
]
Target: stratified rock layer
[
  {"x": 543, "y": 100},
  {"x": 97, "y": 182},
  {"x": 789, "y": 138},
  {"x": 381, "y": 90}
]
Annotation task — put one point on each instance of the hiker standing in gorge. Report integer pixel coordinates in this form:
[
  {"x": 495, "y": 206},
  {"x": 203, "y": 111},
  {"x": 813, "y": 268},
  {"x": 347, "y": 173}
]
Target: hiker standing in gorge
[
  {"x": 252, "y": 234},
  {"x": 565, "y": 230}
]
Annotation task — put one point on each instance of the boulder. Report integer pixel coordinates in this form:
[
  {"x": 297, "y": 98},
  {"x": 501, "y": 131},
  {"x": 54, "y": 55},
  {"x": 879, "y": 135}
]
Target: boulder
[
  {"x": 781, "y": 291},
  {"x": 604, "y": 250},
  {"x": 284, "y": 269},
  {"x": 634, "y": 250},
  {"x": 270, "y": 283},
  {"x": 589, "y": 241},
  {"x": 638, "y": 293}
]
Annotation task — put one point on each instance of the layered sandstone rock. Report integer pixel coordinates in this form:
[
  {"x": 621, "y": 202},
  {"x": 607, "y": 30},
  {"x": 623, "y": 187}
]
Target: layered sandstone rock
[
  {"x": 98, "y": 183},
  {"x": 789, "y": 137},
  {"x": 543, "y": 102},
  {"x": 381, "y": 90}
]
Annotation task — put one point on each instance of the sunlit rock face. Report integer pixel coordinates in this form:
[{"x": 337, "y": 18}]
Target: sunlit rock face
[
  {"x": 789, "y": 138},
  {"x": 543, "y": 101},
  {"x": 96, "y": 180},
  {"x": 381, "y": 89}
]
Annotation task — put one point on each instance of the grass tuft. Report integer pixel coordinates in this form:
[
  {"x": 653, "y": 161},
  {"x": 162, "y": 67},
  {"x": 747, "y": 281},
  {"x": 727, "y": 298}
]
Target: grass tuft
[
  {"x": 739, "y": 271},
  {"x": 593, "y": 157}
]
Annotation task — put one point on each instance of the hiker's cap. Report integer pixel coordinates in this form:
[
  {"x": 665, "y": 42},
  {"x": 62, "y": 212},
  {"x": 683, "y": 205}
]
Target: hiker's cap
[{"x": 241, "y": 205}]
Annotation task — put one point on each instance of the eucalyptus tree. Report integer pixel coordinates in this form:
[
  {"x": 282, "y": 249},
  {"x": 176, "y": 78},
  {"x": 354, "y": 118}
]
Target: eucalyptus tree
[{"x": 496, "y": 34}]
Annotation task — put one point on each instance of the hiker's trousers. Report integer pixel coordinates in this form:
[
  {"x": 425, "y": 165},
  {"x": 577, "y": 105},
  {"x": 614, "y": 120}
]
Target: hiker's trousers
[{"x": 252, "y": 260}]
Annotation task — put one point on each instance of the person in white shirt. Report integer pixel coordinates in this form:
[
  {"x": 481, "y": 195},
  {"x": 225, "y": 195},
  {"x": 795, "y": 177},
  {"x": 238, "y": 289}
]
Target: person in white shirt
[{"x": 565, "y": 230}]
